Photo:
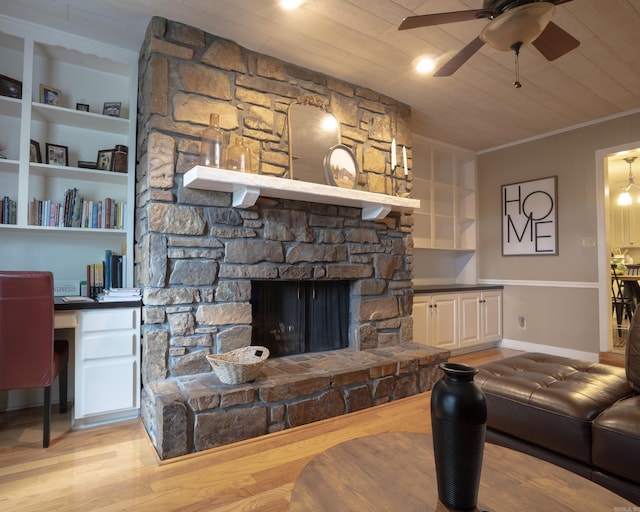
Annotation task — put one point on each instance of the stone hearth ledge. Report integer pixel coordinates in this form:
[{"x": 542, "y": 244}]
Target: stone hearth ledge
[{"x": 197, "y": 412}]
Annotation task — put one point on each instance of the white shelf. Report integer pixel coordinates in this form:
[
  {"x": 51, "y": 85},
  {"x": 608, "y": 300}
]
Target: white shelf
[
  {"x": 10, "y": 106},
  {"x": 80, "y": 119},
  {"x": 78, "y": 173},
  {"x": 246, "y": 189}
]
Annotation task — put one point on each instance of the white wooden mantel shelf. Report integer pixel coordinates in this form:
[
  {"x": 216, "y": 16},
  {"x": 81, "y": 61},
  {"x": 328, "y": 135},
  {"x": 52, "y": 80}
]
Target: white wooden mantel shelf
[{"x": 247, "y": 187}]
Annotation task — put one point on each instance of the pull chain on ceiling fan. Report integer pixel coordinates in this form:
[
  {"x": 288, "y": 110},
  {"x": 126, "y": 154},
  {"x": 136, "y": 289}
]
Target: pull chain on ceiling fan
[{"x": 512, "y": 24}]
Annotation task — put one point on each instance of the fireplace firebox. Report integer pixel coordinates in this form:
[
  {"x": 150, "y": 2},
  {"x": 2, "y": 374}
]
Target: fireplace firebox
[{"x": 294, "y": 317}]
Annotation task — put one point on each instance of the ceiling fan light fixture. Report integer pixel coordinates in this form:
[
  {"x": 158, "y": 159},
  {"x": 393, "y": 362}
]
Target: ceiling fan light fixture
[{"x": 522, "y": 24}]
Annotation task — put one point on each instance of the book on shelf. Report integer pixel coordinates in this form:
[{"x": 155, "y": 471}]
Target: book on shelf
[
  {"x": 109, "y": 277},
  {"x": 8, "y": 211},
  {"x": 76, "y": 211},
  {"x": 119, "y": 295},
  {"x": 76, "y": 298},
  {"x": 128, "y": 292}
]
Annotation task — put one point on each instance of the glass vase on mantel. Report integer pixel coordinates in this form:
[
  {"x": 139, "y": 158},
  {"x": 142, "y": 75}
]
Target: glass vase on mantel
[
  {"x": 212, "y": 146},
  {"x": 239, "y": 156},
  {"x": 458, "y": 421}
]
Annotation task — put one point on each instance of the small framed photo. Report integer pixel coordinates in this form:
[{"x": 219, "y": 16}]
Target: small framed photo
[
  {"x": 50, "y": 95},
  {"x": 10, "y": 87},
  {"x": 112, "y": 109},
  {"x": 57, "y": 155},
  {"x": 82, "y": 106},
  {"x": 341, "y": 167},
  {"x": 105, "y": 159},
  {"x": 34, "y": 152}
]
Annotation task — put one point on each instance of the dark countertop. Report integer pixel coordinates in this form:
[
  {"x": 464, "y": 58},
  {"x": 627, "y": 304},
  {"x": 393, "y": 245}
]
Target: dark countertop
[
  {"x": 439, "y": 288},
  {"x": 60, "y": 305}
]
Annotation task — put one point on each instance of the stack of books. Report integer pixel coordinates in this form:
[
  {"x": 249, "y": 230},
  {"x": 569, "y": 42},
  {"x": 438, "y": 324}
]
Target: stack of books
[{"x": 120, "y": 295}]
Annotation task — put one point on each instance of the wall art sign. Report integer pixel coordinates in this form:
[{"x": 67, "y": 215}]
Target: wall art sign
[{"x": 530, "y": 217}]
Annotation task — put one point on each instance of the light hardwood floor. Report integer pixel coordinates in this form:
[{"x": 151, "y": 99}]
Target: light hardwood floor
[{"x": 115, "y": 468}]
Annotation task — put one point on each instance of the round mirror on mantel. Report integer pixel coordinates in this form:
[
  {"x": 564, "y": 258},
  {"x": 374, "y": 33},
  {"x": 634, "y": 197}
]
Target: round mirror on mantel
[{"x": 313, "y": 131}]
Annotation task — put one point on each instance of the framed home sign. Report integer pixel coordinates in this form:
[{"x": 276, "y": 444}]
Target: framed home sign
[{"x": 530, "y": 218}]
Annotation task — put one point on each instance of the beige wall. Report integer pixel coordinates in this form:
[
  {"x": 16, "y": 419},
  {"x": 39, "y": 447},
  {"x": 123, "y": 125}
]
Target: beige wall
[{"x": 557, "y": 295}]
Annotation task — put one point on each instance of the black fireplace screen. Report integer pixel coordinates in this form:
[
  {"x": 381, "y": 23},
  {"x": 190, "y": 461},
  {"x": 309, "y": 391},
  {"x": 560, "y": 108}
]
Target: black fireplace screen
[{"x": 293, "y": 317}]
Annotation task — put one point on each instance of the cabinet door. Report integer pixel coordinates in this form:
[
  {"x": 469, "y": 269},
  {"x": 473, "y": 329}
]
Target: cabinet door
[
  {"x": 420, "y": 317},
  {"x": 491, "y": 315},
  {"x": 470, "y": 319},
  {"x": 108, "y": 387},
  {"x": 442, "y": 317}
]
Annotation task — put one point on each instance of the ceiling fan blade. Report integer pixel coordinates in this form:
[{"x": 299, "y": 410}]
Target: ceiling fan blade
[
  {"x": 554, "y": 42},
  {"x": 429, "y": 20},
  {"x": 460, "y": 58}
]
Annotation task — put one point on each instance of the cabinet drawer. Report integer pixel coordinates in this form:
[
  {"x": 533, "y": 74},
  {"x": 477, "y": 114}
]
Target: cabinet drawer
[
  {"x": 112, "y": 344},
  {"x": 109, "y": 320}
]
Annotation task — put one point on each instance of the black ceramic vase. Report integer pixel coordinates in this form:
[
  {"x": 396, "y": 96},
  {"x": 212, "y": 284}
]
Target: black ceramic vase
[{"x": 458, "y": 420}]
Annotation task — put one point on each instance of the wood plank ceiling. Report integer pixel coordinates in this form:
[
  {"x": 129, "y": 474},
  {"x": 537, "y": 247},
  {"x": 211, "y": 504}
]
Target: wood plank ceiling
[{"x": 357, "y": 40}]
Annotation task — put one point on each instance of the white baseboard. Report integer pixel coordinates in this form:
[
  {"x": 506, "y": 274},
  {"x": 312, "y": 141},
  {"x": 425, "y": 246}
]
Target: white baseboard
[{"x": 525, "y": 346}]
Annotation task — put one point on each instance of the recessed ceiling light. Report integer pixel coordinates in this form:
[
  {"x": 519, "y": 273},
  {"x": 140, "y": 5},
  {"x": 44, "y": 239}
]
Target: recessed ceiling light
[
  {"x": 425, "y": 65},
  {"x": 289, "y": 5}
]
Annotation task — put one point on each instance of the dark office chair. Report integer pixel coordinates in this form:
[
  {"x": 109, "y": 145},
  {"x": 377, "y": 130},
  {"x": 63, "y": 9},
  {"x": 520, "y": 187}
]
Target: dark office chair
[{"x": 29, "y": 355}]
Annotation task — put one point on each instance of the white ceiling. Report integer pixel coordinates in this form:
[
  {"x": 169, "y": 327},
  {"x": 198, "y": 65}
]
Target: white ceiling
[{"x": 357, "y": 40}]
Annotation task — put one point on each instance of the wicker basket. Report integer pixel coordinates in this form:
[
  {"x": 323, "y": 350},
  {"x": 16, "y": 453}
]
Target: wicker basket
[{"x": 240, "y": 365}]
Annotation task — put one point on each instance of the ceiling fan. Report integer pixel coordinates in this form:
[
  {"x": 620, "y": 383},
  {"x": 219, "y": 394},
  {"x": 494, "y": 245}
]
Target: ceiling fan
[{"x": 512, "y": 24}]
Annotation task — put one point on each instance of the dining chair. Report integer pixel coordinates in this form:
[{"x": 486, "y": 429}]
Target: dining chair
[
  {"x": 622, "y": 299},
  {"x": 30, "y": 357}
]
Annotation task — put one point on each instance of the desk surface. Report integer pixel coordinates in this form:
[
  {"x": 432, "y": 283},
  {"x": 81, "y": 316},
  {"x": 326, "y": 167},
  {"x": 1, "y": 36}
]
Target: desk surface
[
  {"x": 60, "y": 305},
  {"x": 396, "y": 471}
]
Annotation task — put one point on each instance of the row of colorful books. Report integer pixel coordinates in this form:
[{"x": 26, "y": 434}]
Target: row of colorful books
[
  {"x": 78, "y": 212},
  {"x": 8, "y": 211}
]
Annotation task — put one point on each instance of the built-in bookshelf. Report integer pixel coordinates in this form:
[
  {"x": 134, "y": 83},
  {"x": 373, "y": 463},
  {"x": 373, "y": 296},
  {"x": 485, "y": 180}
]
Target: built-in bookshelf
[
  {"x": 57, "y": 169},
  {"x": 444, "y": 233}
]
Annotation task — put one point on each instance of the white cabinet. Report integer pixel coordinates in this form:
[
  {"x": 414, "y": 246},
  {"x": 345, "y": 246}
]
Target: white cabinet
[
  {"x": 107, "y": 365},
  {"x": 444, "y": 180},
  {"x": 434, "y": 320},
  {"x": 457, "y": 321},
  {"x": 480, "y": 317},
  {"x": 83, "y": 72},
  {"x": 625, "y": 224}
]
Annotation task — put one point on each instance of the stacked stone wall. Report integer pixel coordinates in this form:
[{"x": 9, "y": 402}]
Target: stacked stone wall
[{"x": 196, "y": 255}]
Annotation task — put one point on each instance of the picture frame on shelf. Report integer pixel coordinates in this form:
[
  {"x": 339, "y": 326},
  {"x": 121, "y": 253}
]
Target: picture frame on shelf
[
  {"x": 83, "y": 107},
  {"x": 341, "y": 167},
  {"x": 35, "y": 156},
  {"x": 57, "y": 155},
  {"x": 10, "y": 87},
  {"x": 105, "y": 159},
  {"x": 112, "y": 108},
  {"x": 50, "y": 95}
]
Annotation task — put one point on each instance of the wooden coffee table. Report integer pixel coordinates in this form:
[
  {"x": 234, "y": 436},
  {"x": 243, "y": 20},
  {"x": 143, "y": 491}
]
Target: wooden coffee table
[{"x": 396, "y": 471}]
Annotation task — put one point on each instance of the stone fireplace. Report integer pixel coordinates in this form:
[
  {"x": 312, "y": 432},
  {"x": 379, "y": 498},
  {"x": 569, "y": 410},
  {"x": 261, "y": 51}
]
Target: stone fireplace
[{"x": 198, "y": 256}]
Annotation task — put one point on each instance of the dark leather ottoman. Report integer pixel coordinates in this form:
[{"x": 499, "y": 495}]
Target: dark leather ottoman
[{"x": 550, "y": 401}]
